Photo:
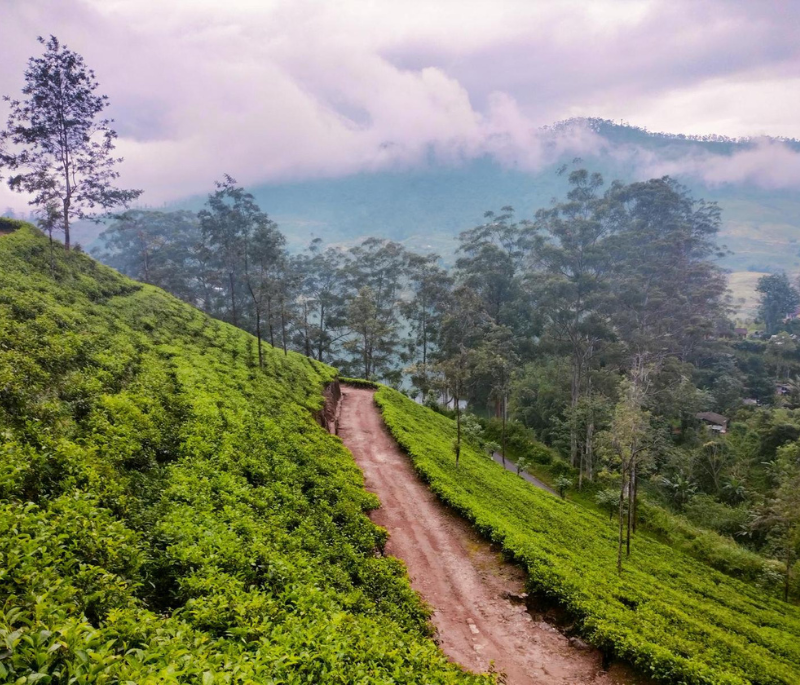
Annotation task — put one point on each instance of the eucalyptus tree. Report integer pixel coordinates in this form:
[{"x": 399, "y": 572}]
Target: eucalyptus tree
[
  {"x": 491, "y": 259},
  {"x": 155, "y": 247},
  {"x": 778, "y": 299},
  {"x": 323, "y": 299},
  {"x": 429, "y": 286},
  {"x": 263, "y": 261},
  {"x": 54, "y": 144},
  {"x": 668, "y": 292},
  {"x": 462, "y": 329},
  {"x": 374, "y": 275},
  {"x": 571, "y": 286}
]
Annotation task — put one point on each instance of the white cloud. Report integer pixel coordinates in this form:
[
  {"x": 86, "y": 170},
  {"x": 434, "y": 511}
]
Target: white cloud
[{"x": 297, "y": 88}]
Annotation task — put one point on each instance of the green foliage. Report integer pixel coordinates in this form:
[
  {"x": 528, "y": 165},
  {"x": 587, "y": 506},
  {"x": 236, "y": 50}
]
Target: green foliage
[
  {"x": 675, "y": 618},
  {"x": 359, "y": 383},
  {"x": 169, "y": 513}
]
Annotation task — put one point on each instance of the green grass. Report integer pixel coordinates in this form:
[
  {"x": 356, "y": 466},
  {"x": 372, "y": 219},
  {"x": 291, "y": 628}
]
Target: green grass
[
  {"x": 673, "y": 617},
  {"x": 169, "y": 513}
]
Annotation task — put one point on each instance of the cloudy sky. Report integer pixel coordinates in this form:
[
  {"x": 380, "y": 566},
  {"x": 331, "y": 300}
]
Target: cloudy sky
[{"x": 273, "y": 90}]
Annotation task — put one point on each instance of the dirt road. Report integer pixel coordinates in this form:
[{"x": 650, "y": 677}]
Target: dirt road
[{"x": 471, "y": 588}]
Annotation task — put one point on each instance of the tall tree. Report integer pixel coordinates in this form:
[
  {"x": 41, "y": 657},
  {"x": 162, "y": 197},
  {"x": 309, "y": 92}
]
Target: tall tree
[
  {"x": 430, "y": 287},
  {"x": 263, "y": 257},
  {"x": 778, "y": 300},
  {"x": 224, "y": 223},
  {"x": 571, "y": 288},
  {"x": 55, "y": 146}
]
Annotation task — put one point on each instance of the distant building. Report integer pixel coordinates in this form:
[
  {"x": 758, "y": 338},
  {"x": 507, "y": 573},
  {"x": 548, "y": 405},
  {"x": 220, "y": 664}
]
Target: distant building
[
  {"x": 716, "y": 422},
  {"x": 741, "y": 332},
  {"x": 750, "y": 402}
]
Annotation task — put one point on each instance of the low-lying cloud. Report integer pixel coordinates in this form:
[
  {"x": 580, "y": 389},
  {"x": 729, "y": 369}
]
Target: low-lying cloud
[{"x": 296, "y": 88}]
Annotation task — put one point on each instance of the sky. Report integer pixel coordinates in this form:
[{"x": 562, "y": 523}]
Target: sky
[{"x": 276, "y": 90}]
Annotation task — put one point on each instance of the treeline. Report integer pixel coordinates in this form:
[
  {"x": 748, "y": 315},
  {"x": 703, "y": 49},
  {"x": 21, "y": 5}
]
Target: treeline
[{"x": 600, "y": 323}]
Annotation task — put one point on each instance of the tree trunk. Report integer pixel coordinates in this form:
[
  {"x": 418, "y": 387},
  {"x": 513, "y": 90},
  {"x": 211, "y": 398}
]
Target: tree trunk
[
  {"x": 269, "y": 321},
  {"x": 66, "y": 218},
  {"x": 635, "y": 500},
  {"x": 458, "y": 427},
  {"x": 283, "y": 327},
  {"x": 258, "y": 335},
  {"x": 621, "y": 519},
  {"x": 504, "y": 433},
  {"x": 788, "y": 580},
  {"x": 233, "y": 299},
  {"x": 574, "y": 396}
]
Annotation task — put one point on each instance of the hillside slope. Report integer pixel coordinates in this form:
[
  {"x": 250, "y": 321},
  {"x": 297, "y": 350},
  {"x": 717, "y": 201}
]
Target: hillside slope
[
  {"x": 169, "y": 513},
  {"x": 675, "y": 618}
]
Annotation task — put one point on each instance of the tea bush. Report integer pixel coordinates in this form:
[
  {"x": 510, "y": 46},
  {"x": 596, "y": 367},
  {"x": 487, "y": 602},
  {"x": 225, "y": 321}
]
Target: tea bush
[
  {"x": 676, "y": 619},
  {"x": 169, "y": 513}
]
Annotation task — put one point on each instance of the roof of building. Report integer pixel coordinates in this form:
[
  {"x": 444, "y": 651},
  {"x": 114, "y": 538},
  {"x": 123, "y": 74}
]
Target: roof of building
[{"x": 712, "y": 417}]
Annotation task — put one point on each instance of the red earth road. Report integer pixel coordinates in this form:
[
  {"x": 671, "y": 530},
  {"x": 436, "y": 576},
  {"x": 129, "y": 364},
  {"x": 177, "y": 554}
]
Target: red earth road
[{"x": 471, "y": 588}]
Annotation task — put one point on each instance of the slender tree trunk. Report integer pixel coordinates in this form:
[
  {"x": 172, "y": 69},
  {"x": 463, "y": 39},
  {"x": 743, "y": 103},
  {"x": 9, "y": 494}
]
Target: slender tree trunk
[
  {"x": 321, "y": 332},
  {"x": 269, "y": 321},
  {"x": 574, "y": 397},
  {"x": 258, "y": 335},
  {"x": 635, "y": 500},
  {"x": 788, "y": 579},
  {"x": 621, "y": 519},
  {"x": 283, "y": 326},
  {"x": 52, "y": 254},
  {"x": 305, "y": 325},
  {"x": 504, "y": 431},
  {"x": 67, "y": 202},
  {"x": 458, "y": 427},
  {"x": 233, "y": 299}
]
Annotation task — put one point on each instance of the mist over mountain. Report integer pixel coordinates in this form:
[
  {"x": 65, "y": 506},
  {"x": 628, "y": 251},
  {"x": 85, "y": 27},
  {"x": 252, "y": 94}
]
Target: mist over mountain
[{"x": 426, "y": 207}]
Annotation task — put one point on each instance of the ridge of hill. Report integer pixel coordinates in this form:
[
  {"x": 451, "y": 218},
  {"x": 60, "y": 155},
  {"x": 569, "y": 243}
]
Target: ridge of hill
[{"x": 171, "y": 513}]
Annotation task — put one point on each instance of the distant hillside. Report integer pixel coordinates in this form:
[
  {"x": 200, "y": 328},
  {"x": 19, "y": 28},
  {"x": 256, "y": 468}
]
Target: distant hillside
[
  {"x": 170, "y": 512},
  {"x": 426, "y": 207}
]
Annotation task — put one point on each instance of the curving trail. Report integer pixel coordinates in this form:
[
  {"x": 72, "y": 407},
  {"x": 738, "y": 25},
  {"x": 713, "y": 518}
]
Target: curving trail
[{"x": 470, "y": 587}]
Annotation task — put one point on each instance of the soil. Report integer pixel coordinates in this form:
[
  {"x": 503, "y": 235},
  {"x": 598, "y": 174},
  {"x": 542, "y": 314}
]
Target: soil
[{"x": 481, "y": 616}]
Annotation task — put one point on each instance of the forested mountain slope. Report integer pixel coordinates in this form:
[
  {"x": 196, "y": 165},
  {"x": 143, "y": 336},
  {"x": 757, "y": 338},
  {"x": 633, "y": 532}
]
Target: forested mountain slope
[
  {"x": 675, "y": 618},
  {"x": 171, "y": 513}
]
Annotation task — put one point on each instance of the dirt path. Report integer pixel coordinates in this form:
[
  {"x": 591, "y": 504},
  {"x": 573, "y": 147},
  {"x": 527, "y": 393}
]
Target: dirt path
[{"x": 471, "y": 588}]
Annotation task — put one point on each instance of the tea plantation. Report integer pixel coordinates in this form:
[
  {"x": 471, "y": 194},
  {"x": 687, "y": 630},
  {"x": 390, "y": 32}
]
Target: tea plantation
[
  {"x": 170, "y": 513},
  {"x": 675, "y": 618}
]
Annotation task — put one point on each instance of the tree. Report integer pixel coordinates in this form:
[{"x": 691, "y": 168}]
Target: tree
[
  {"x": 572, "y": 287},
  {"x": 263, "y": 255},
  {"x": 462, "y": 328},
  {"x": 495, "y": 358},
  {"x": 374, "y": 275},
  {"x": 430, "y": 287},
  {"x": 60, "y": 151},
  {"x": 155, "y": 247},
  {"x": 223, "y": 223},
  {"x": 323, "y": 292},
  {"x": 778, "y": 300}
]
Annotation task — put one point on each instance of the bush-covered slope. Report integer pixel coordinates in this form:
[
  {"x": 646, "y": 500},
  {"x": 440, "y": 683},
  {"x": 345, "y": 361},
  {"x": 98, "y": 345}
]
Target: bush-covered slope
[
  {"x": 170, "y": 513},
  {"x": 674, "y": 617}
]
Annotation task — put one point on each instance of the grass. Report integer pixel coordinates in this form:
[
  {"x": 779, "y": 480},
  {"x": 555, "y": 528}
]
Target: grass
[
  {"x": 171, "y": 513},
  {"x": 676, "y": 619}
]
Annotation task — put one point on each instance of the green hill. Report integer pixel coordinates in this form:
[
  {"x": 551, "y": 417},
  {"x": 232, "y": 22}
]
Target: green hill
[
  {"x": 675, "y": 618},
  {"x": 169, "y": 512}
]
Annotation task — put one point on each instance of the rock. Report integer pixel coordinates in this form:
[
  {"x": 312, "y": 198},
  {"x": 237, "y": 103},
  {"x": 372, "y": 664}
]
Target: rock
[{"x": 577, "y": 643}]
